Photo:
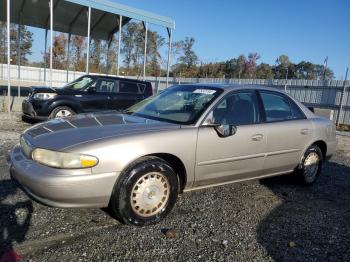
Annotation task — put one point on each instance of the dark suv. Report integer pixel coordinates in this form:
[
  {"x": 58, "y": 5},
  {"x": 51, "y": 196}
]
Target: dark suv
[{"x": 88, "y": 93}]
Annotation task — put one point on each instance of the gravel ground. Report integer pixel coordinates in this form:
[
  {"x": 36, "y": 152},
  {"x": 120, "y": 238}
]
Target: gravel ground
[{"x": 271, "y": 219}]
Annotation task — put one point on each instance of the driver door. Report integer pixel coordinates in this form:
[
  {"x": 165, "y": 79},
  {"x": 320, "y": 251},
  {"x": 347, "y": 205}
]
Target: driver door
[
  {"x": 236, "y": 157},
  {"x": 99, "y": 95}
]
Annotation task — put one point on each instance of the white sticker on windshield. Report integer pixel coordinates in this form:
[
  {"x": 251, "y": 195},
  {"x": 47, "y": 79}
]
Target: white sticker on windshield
[{"x": 204, "y": 91}]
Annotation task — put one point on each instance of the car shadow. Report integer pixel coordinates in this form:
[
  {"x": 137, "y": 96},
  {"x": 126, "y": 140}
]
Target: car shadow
[
  {"x": 312, "y": 223},
  {"x": 14, "y": 220},
  {"x": 29, "y": 120}
]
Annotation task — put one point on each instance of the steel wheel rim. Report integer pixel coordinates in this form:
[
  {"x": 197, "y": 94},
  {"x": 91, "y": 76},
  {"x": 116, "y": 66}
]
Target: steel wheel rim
[
  {"x": 311, "y": 165},
  {"x": 63, "y": 113},
  {"x": 150, "y": 194}
]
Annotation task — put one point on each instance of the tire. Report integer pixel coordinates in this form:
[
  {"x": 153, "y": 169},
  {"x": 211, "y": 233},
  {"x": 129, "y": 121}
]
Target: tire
[
  {"x": 311, "y": 165},
  {"x": 61, "y": 111},
  {"x": 145, "y": 192}
]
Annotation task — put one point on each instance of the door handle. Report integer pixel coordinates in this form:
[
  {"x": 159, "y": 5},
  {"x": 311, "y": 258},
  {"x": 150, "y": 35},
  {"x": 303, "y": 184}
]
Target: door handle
[
  {"x": 304, "y": 131},
  {"x": 257, "y": 137}
]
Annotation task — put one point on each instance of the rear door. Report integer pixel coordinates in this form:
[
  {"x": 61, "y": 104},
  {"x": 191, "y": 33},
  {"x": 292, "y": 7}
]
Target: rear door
[
  {"x": 127, "y": 94},
  {"x": 288, "y": 132}
]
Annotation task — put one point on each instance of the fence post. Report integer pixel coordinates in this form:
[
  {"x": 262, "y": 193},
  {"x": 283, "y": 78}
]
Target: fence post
[{"x": 342, "y": 97}]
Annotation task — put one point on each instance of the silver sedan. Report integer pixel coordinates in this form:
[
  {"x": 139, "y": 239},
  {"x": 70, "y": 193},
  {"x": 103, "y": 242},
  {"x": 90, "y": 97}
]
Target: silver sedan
[{"x": 186, "y": 138}]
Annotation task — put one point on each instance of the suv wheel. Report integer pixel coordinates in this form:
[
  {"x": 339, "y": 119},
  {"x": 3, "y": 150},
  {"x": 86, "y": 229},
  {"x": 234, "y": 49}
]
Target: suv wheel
[
  {"x": 145, "y": 192},
  {"x": 61, "y": 111}
]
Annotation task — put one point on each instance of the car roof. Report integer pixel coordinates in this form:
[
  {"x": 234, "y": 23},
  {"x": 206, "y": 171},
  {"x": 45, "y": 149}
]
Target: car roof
[
  {"x": 115, "y": 78},
  {"x": 229, "y": 87}
]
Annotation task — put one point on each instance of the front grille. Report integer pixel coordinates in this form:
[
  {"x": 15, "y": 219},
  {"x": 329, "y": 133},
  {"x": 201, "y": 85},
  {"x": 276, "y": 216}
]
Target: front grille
[{"x": 26, "y": 147}]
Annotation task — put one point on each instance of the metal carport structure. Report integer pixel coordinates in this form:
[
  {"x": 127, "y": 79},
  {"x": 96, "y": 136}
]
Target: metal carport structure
[{"x": 99, "y": 19}]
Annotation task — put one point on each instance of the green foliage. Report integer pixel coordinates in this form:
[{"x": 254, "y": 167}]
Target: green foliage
[
  {"x": 189, "y": 57},
  {"x": 26, "y": 42}
]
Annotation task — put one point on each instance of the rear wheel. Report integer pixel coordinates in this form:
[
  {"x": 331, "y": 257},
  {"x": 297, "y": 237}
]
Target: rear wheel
[
  {"x": 61, "y": 111},
  {"x": 311, "y": 165},
  {"x": 145, "y": 192}
]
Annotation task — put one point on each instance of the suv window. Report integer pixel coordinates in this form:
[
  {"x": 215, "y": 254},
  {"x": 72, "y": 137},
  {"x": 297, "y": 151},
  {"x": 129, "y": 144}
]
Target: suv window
[
  {"x": 279, "y": 108},
  {"x": 104, "y": 85},
  {"x": 237, "y": 109},
  {"x": 128, "y": 87}
]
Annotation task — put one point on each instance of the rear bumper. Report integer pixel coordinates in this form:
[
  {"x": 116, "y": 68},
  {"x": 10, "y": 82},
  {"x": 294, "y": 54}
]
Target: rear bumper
[{"x": 58, "y": 187}]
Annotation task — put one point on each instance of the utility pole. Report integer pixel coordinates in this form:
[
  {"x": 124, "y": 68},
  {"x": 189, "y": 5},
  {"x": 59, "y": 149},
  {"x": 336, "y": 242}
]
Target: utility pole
[
  {"x": 285, "y": 86},
  {"x": 342, "y": 97}
]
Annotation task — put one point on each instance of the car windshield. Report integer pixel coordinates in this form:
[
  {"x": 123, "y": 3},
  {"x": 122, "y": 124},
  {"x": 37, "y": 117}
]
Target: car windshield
[
  {"x": 178, "y": 104},
  {"x": 79, "y": 83}
]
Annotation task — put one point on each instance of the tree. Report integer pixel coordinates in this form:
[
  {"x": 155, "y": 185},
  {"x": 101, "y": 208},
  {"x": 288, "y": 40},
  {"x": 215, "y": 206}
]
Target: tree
[
  {"x": 26, "y": 43},
  {"x": 189, "y": 57},
  {"x": 241, "y": 62},
  {"x": 306, "y": 70},
  {"x": 264, "y": 71},
  {"x": 283, "y": 68},
  {"x": 250, "y": 65},
  {"x": 58, "y": 52},
  {"x": 96, "y": 55},
  {"x": 78, "y": 46},
  {"x": 154, "y": 43},
  {"x": 111, "y": 56}
]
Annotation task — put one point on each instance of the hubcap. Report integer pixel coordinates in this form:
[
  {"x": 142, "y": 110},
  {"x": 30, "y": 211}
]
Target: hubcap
[
  {"x": 63, "y": 113},
  {"x": 150, "y": 194},
  {"x": 311, "y": 164}
]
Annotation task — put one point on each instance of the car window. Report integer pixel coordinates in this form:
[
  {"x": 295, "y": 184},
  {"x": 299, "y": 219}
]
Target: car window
[
  {"x": 104, "y": 85},
  {"x": 297, "y": 113},
  {"x": 142, "y": 88},
  {"x": 177, "y": 104},
  {"x": 128, "y": 87},
  {"x": 237, "y": 109},
  {"x": 277, "y": 107},
  {"x": 80, "y": 83}
]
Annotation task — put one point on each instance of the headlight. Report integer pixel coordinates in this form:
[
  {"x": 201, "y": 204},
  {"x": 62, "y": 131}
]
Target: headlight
[
  {"x": 63, "y": 160},
  {"x": 44, "y": 96}
]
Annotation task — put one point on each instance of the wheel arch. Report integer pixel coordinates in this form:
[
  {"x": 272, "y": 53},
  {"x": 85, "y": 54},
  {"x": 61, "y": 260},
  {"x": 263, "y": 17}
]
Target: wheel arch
[
  {"x": 177, "y": 165},
  {"x": 66, "y": 103},
  {"x": 323, "y": 146},
  {"x": 174, "y": 161}
]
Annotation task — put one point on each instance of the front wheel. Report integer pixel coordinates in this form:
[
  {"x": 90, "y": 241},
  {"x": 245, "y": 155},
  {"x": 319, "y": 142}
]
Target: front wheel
[
  {"x": 311, "y": 165},
  {"x": 61, "y": 111},
  {"x": 145, "y": 192}
]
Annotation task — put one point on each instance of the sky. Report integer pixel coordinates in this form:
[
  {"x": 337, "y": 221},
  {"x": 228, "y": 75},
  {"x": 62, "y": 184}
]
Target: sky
[{"x": 302, "y": 29}]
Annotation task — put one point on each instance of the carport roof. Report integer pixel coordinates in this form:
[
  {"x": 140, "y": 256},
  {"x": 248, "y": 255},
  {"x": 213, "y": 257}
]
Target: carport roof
[{"x": 70, "y": 16}]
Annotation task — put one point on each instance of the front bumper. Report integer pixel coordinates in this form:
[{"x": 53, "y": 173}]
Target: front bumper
[
  {"x": 61, "y": 187},
  {"x": 29, "y": 111}
]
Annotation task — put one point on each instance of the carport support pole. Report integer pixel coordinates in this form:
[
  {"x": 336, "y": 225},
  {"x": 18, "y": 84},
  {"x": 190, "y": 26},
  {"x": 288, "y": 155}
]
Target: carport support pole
[
  {"x": 45, "y": 56},
  {"x": 170, "y": 33},
  {"x": 119, "y": 42},
  {"x": 8, "y": 59},
  {"x": 145, "y": 51},
  {"x": 342, "y": 98},
  {"x": 68, "y": 55},
  {"x": 19, "y": 54},
  {"x": 51, "y": 40},
  {"x": 88, "y": 41}
]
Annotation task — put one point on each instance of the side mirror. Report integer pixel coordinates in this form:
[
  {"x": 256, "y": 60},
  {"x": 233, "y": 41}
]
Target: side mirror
[
  {"x": 223, "y": 130},
  {"x": 91, "y": 89}
]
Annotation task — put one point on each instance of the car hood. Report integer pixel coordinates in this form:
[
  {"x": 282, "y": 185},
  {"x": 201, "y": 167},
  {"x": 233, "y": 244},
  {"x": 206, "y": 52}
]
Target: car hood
[
  {"x": 42, "y": 89},
  {"x": 58, "y": 134}
]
